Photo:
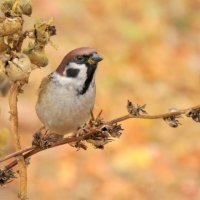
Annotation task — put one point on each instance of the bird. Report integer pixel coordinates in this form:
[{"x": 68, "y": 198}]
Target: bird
[{"x": 67, "y": 95}]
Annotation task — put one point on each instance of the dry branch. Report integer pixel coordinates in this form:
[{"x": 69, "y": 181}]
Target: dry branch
[{"x": 98, "y": 132}]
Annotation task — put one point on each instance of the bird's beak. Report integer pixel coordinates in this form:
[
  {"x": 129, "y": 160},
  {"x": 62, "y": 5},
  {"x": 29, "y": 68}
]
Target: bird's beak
[{"x": 94, "y": 59}]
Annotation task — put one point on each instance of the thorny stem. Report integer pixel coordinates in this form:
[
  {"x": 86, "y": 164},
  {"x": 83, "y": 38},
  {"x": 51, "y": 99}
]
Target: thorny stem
[
  {"x": 28, "y": 152},
  {"x": 14, "y": 91}
]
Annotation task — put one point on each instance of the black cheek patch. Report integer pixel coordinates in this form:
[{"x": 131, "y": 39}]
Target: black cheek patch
[{"x": 71, "y": 72}]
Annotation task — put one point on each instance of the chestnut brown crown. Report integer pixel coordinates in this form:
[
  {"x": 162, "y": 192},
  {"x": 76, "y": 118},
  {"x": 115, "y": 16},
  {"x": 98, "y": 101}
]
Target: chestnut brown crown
[{"x": 72, "y": 55}]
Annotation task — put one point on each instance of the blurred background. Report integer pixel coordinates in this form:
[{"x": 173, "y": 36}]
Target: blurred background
[{"x": 151, "y": 56}]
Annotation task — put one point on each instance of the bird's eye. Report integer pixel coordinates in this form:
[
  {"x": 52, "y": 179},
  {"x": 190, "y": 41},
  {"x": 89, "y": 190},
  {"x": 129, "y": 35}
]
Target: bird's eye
[{"x": 80, "y": 58}]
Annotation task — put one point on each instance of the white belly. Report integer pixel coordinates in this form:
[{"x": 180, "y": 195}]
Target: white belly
[{"x": 61, "y": 110}]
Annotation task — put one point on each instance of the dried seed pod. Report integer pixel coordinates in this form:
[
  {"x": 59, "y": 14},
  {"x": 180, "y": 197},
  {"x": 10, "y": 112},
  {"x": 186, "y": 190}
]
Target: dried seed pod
[
  {"x": 46, "y": 140},
  {"x": 172, "y": 121},
  {"x": 3, "y": 46},
  {"x": 44, "y": 30},
  {"x": 37, "y": 56},
  {"x": 19, "y": 68},
  {"x": 23, "y": 7},
  {"x": 17, "y": 7},
  {"x": 10, "y": 26},
  {"x": 6, "y": 176},
  {"x": 12, "y": 40},
  {"x": 116, "y": 130},
  {"x": 194, "y": 114},
  {"x": 6, "y": 6},
  {"x": 26, "y": 7},
  {"x": 136, "y": 110}
]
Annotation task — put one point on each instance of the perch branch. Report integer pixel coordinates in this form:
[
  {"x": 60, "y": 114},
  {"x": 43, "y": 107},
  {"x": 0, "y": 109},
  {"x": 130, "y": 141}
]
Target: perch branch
[
  {"x": 34, "y": 150},
  {"x": 28, "y": 152},
  {"x": 15, "y": 154}
]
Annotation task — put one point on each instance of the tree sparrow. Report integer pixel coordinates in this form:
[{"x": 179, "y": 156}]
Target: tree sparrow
[{"x": 67, "y": 95}]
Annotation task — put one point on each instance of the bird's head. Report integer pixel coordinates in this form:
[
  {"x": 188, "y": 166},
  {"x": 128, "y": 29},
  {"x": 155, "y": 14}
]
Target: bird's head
[
  {"x": 80, "y": 65},
  {"x": 78, "y": 59}
]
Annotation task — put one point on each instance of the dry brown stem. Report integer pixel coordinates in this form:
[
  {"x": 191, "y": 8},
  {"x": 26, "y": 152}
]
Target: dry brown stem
[
  {"x": 15, "y": 67},
  {"x": 14, "y": 91}
]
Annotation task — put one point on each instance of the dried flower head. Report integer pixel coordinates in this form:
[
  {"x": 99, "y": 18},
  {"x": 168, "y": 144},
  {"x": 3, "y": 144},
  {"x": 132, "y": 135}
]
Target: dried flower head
[
  {"x": 46, "y": 140},
  {"x": 194, "y": 114},
  {"x": 172, "y": 121},
  {"x": 6, "y": 176},
  {"x": 104, "y": 132},
  {"x": 136, "y": 110}
]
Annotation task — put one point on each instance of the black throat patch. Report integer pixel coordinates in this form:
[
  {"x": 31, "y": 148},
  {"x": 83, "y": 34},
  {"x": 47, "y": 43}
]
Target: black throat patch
[{"x": 90, "y": 73}]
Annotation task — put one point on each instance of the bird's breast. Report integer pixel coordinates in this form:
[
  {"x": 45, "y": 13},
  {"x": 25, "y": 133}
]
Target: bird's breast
[{"x": 61, "y": 109}]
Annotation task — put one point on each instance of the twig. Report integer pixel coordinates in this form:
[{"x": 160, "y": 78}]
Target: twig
[
  {"x": 160, "y": 116},
  {"x": 15, "y": 154},
  {"x": 14, "y": 91}
]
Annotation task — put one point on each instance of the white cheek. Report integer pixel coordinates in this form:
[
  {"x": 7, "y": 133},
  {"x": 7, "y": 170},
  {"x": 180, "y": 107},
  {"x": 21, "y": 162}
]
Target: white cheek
[
  {"x": 82, "y": 75},
  {"x": 73, "y": 82},
  {"x": 61, "y": 79}
]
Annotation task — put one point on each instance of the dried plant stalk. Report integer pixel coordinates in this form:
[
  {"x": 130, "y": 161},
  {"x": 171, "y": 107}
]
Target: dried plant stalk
[
  {"x": 15, "y": 68},
  {"x": 14, "y": 91}
]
